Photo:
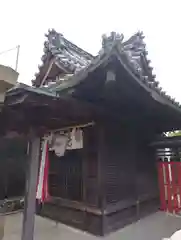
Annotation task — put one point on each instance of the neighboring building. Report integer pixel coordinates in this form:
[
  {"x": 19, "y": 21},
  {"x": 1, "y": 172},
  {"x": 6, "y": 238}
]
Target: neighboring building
[
  {"x": 8, "y": 78},
  {"x": 110, "y": 178}
]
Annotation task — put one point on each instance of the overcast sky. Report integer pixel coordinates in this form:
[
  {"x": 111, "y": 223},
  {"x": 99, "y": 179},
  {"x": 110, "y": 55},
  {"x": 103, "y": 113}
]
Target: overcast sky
[{"x": 83, "y": 22}]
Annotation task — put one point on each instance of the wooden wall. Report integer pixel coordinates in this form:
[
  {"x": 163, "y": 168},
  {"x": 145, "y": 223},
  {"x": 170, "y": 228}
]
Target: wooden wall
[
  {"x": 83, "y": 213},
  {"x": 119, "y": 180},
  {"x": 76, "y": 172},
  {"x": 130, "y": 175},
  {"x": 90, "y": 170}
]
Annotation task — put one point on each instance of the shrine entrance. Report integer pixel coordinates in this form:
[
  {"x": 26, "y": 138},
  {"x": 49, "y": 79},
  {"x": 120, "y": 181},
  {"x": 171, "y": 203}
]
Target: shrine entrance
[{"x": 169, "y": 173}]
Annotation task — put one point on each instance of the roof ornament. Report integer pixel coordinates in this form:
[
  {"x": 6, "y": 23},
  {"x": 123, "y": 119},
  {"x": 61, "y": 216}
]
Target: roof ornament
[
  {"x": 135, "y": 43},
  {"x": 135, "y": 50},
  {"x": 134, "y": 55},
  {"x": 67, "y": 56},
  {"x": 109, "y": 41},
  {"x": 55, "y": 41},
  {"x": 66, "y": 53}
]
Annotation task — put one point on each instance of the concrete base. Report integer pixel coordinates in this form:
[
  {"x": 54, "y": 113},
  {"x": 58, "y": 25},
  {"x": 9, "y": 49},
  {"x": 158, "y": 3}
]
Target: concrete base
[{"x": 155, "y": 227}]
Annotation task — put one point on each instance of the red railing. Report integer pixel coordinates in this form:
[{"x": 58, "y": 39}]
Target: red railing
[{"x": 169, "y": 176}]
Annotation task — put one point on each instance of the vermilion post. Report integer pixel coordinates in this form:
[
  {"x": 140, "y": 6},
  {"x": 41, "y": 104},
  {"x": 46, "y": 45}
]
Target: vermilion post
[
  {"x": 163, "y": 204},
  {"x": 179, "y": 182},
  {"x": 174, "y": 169},
  {"x": 168, "y": 184}
]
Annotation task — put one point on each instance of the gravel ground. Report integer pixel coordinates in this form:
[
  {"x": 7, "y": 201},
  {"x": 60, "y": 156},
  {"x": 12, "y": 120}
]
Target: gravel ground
[{"x": 154, "y": 227}]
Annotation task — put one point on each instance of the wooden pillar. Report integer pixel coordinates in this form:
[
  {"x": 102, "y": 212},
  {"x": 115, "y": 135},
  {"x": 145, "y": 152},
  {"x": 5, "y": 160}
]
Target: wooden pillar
[
  {"x": 101, "y": 175},
  {"x": 2, "y": 218},
  {"x": 84, "y": 167},
  {"x": 30, "y": 194}
]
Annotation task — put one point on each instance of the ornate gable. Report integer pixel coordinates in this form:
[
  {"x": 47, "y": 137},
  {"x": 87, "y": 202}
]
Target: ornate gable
[{"x": 65, "y": 55}]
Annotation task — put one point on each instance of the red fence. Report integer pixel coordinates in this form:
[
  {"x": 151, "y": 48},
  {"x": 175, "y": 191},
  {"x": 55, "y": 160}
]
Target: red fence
[{"x": 169, "y": 174}]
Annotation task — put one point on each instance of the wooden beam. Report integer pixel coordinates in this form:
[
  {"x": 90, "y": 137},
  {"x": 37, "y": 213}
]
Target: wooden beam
[
  {"x": 47, "y": 72},
  {"x": 30, "y": 194}
]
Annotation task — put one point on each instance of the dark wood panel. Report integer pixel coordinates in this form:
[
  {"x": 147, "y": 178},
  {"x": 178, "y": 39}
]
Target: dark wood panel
[
  {"x": 119, "y": 164},
  {"x": 94, "y": 224},
  {"x": 13, "y": 160},
  {"x": 130, "y": 165},
  {"x": 91, "y": 168},
  {"x": 65, "y": 215},
  {"x": 74, "y": 205},
  {"x": 121, "y": 170},
  {"x": 116, "y": 207},
  {"x": 121, "y": 218},
  {"x": 78, "y": 218},
  {"x": 91, "y": 219},
  {"x": 65, "y": 176},
  {"x": 146, "y": 169}
]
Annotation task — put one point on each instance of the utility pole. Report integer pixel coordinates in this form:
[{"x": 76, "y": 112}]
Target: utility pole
[{"x": 17, "y": 57}]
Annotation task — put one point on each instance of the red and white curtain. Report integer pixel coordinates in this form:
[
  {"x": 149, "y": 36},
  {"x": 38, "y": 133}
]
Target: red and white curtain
[{"x": 42, "y": 186}]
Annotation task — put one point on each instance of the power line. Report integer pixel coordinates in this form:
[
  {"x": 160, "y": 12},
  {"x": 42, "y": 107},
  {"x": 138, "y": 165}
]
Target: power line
[
  {"x": 8, "y": 50},
  {"x": 17, "y": 55}
]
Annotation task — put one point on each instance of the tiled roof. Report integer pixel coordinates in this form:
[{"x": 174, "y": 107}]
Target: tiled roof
[
  {"x": 19, "y": 87},
  {"x": 67, "y": 55},
  {"x": 131, "y": 53}
]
